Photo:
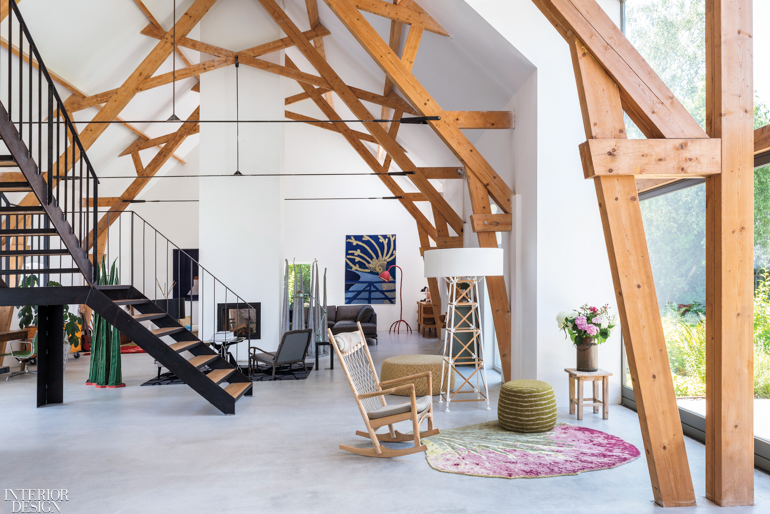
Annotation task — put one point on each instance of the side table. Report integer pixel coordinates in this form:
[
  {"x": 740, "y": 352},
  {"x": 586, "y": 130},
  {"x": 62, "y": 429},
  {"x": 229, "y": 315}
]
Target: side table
[
  {"x": 331, "y": 353},
  {"x": 576, "y": 381}
]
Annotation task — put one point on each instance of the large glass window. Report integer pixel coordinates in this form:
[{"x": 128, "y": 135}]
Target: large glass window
[{"x": 670, "y": 35}]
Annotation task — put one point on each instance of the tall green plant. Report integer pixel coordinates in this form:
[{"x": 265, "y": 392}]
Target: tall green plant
[{"x": 106, "y": 369}]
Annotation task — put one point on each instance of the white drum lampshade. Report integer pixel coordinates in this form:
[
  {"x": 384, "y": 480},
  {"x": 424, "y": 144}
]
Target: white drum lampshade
[{"x": 464, "y": 262}]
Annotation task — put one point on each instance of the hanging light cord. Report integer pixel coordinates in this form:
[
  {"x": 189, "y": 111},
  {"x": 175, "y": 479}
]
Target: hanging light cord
[
  {"x": 173, "y": 72},
  {"x": 237, "y": 116}
]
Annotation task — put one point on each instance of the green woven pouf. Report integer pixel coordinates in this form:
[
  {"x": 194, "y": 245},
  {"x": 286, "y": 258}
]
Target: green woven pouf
[{"x": 527, "y": 406}]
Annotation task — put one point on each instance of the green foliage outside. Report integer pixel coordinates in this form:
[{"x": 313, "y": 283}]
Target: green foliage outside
[
  {"x": 686, "y": 337},
  {"x": 670, "y": 35},
  {"x": 294, "y": 272}
]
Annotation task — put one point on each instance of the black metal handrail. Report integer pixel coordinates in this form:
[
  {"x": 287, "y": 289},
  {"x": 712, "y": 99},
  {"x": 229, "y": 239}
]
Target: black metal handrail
[
  {"x": 129, "y": 235},
  {"x": 58, "y": 146}
]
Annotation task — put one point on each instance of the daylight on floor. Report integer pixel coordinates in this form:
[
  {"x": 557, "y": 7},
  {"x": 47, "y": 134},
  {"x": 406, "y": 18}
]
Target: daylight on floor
[{"x": 399, "y": 256}]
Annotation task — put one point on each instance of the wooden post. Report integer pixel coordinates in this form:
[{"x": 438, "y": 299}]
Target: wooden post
[
  {"x": 635, "y": 293},
  {"x": 730, "y": 256},
  {"x": 498, "y": 294}
]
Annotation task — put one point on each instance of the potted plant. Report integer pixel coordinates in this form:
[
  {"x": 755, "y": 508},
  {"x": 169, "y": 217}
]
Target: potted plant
[
  {"x": 28, "y": 318},
  {"x": 587, "y": 327}
]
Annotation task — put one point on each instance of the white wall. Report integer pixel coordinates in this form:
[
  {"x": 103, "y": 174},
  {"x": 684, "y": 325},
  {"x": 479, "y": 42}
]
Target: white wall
[
  {"x": 564, "y": 257},
  {"x": 241, "y": 218},
  {"x": 317, "y": 229}
]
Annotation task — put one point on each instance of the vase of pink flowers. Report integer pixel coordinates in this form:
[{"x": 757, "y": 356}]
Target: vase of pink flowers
[{"x": 587, "y": 327}]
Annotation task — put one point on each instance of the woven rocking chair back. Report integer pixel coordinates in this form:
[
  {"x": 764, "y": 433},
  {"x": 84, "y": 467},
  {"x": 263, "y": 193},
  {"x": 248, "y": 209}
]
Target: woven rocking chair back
[{"x": 357, "y": 362}]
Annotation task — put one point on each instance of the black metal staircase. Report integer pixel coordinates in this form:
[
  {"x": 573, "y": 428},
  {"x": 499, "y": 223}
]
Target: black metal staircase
[{"x": 49, "y": 223}]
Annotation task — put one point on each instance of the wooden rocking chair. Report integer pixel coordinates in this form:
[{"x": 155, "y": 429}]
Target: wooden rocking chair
[{"x": 356, "y": 360}]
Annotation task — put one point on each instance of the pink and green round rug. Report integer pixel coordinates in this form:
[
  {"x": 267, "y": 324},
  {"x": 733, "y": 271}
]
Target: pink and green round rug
[{"x": 488, "y": 450}]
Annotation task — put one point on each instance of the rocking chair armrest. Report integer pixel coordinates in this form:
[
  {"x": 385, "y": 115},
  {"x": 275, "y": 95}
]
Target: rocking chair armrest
[
  {"x": 397, "y": 380},
  {"x": 392, "y": 390},
  {"x": 251, "y": 351}
]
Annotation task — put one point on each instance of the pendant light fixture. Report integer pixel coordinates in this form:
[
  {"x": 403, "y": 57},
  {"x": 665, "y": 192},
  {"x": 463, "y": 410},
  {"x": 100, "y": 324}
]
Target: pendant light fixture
[
  {"x": 173, "y": 117},
  {"x": 237, "y": 118}
]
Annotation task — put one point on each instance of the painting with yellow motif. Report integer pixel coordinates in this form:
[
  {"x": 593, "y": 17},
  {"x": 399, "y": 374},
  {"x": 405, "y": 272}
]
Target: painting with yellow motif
[{"x": 369, "y": 275}]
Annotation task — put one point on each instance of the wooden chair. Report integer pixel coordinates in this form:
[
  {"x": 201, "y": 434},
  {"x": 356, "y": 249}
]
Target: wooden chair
[{"x": 353, "y": 354}]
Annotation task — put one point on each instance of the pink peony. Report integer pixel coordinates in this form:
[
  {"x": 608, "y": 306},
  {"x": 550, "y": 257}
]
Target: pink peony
[
  {"x": 581, "y": 322},
  {"x": 592, "y": 329},
  {"x": 597, "y": 320},
  {"x": 594, "y": 309}
]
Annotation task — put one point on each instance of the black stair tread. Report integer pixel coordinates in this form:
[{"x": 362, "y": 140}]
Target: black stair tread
[
  {"x": 220, "y": 375},
  {"x": 202, "y": 360},
  {"x": 150, "y": 316},
  {"x": 238, "y": 389},
  {"x": 32, "y": 253},
  {"x": 16, "y": 209},
  {"x": 160, "y": 332},
  {"x": 113, "y": 288},
  {"x": 28, "y": 232},
  {"x": 46, "y": 271},
  {"x": 15, "y": 187},
  {"x": 8, "y": 161},
  {"x": 135, "y": 301},
  {"x": 183, "y": 346}
]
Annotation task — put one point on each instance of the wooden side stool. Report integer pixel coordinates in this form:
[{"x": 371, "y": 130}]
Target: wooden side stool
[{"x": 576, "y": 379}]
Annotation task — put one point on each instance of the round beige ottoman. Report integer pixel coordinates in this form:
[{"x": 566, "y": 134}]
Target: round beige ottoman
[
  {"x": 405, "y": 365},
  {"x": 527, "y": 406}
]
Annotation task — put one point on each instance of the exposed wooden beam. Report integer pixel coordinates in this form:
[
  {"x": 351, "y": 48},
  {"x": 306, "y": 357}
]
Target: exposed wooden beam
[
  {"x": 730, "y": 255},
  {"x": 138, "y": 184},
  {"x": 435, "y": 292},
  {"x": 762, "y": 140},
  {"x": 317, "y": 33},
  {"x": 76, "y": 92},
  {"x": 294, "y": 74},
  {"x": 449, "y": 242},
  {"x": 635, "y": 293},
  {"x": 450, "y": 172},
  {"x": 366, "y": 155},
  {"x": 415, "y": 197},
  {"x": 651, "y": 158},
  {"x": 646, "y": 99},
  {"x": 104, "y": 201},
  {"x": 415, "y": 93},
  {"x": 363, "y": 136},
  {"x": 4, "y": 10},
  {"x": 403, "y": 12},
  {"x": 156, "y": 23},
  {"x": 643, "y": 185},
  {"x": 492, "y": 222},
  {"x": 394, "y": 42},
  {"x": 144, "y": 144},
  {"x": 482, "y": 119},
  {"x": 498, "y": 293},
  {"x": 138, "y": 165},
  {"x": 314, "y": 20},
  {"x": 367, "y": 96},
  {"x": 362, "y": 113}
]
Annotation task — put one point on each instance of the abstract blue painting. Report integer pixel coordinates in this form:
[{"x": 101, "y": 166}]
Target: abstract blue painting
[{"x": 367, "y": 258}]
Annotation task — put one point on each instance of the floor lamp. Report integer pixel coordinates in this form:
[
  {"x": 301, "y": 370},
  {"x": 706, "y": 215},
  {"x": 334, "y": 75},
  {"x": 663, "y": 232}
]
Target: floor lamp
[
  {"x": 385, "y": 277},
  {"x": 463, "y": 269}
]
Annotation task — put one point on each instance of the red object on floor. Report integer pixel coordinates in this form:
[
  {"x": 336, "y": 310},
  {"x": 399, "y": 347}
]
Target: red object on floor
[
  {"x": 110, "y": 387},
  {"x": 131, "y": 348}
]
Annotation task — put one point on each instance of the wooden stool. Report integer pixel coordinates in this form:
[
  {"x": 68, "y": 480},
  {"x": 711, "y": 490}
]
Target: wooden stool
[{"x": 576, "y": 378}]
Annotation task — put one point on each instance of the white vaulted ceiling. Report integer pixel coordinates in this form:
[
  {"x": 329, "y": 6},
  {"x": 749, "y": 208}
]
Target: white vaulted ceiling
[{"x": 96, "y": 44}]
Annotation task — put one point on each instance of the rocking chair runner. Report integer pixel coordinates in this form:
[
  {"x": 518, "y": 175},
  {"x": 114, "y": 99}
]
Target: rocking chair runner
[{"x": 353, "y": 353}]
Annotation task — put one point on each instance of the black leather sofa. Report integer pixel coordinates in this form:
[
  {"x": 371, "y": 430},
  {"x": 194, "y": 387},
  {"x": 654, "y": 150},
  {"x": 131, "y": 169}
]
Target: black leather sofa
[{"x": 343, "y": 318}]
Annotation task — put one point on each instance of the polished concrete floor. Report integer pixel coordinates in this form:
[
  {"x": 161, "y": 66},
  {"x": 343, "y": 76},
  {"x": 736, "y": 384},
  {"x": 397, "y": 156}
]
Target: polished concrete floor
[{"x": 165, "y": 449}]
